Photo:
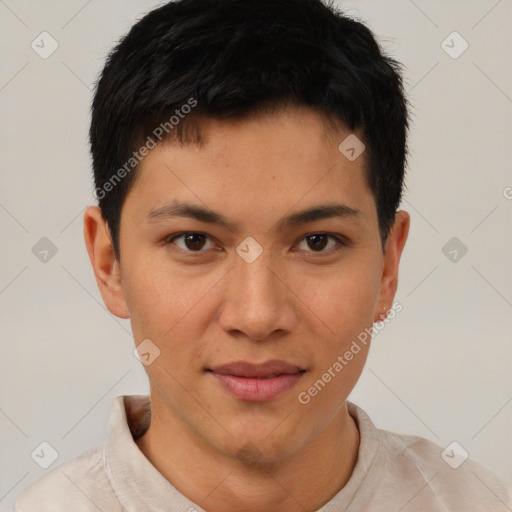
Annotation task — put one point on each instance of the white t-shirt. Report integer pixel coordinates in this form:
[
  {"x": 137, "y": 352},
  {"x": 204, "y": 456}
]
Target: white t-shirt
[{"x": 393, "y": 473}]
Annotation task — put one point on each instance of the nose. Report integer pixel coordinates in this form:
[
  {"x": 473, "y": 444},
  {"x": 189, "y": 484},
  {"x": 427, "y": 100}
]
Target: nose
[{"x": 259, "y": 302}]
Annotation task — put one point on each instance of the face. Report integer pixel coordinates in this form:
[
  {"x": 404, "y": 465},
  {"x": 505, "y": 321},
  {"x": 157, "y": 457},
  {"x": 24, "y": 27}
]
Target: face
[{"x": 252, "y": 263}]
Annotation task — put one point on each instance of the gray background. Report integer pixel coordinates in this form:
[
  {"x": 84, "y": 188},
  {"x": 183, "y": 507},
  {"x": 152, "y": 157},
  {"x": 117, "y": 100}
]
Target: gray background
[{"x": 441, "y": 369}]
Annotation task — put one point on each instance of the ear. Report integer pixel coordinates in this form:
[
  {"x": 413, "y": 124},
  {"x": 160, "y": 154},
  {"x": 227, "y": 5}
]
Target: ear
[
  {"x": 104, "y": 263},
  {"x": 393, "y": 250}
]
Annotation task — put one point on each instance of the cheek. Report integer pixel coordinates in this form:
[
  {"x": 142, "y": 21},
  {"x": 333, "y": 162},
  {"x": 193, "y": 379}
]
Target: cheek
[
  {"x": 343, "y": 301},
  {"x": 155, "y": 300},
  {"x": 172, "y": 308}
]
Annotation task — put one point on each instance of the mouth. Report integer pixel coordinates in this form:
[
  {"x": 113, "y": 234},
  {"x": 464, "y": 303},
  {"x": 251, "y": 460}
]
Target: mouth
[{"x": 257, "y": 382}]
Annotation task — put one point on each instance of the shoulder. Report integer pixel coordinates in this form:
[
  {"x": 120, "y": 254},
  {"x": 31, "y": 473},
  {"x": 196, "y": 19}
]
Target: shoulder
[
  {"x": 445, "y": 475},
  {"x": 414, "y": 474},
  {"x": 82, "y": 482}
]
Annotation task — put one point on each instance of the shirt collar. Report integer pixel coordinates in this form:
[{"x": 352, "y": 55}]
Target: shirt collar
[{"x": 140, "y": 487}]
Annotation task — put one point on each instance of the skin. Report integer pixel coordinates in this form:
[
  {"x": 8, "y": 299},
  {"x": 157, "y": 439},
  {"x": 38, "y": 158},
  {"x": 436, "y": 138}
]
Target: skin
[{"x": 295, "y": 303}]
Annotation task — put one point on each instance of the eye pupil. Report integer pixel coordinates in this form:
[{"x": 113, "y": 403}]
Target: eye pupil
[
  {"x": 318, "y": 241},
  {"x": 194, "y": 241}
]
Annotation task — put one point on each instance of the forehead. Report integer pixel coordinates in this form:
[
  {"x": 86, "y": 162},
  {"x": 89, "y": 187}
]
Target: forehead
[{"x": 291, "y": 157}]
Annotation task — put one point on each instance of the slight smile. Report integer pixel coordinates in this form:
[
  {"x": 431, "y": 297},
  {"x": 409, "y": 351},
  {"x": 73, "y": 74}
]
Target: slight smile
[{"x": 257, "y": 382}]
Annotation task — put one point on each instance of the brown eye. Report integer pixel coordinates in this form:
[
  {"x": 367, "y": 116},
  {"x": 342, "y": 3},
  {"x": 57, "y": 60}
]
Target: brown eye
[
  {"x": 191, "y": 242},
  {"x": 194, "y": 241},
  {"x": 320, "y": 243},
  {"x": 317, "y": 242}
]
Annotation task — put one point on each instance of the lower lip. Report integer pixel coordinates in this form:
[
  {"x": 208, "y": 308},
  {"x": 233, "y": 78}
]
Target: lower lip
[{"x": 258, "y": 390}]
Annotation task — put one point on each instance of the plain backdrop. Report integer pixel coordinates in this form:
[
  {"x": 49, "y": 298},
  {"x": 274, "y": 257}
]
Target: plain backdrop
[{"x": 441, "y": 369}]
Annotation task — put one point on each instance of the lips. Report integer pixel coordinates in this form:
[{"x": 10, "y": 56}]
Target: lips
[{"x": 257, "y": 382}]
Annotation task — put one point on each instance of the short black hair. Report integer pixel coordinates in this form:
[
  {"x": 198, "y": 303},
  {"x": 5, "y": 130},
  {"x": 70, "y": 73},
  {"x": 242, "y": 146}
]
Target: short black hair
[{"x": 230, "y": 59}]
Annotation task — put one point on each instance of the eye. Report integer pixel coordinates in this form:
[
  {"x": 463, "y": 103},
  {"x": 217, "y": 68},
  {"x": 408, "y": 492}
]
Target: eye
[
  {"x": 320, "y": 242},
  {"x": 191, "y": 241},
  {"x": 196, "y": 242}
]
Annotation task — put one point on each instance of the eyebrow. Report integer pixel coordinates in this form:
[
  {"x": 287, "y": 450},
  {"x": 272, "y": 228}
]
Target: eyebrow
[{"x": 203, "y": 214}]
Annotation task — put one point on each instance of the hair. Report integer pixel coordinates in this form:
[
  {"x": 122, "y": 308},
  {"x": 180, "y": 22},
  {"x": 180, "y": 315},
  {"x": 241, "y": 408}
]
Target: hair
[{"x": 228, "y": 59}]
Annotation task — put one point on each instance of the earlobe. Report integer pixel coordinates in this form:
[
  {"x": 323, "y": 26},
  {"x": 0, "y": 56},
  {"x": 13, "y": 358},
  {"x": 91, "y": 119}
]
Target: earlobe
[
  {"x": 104, "y": 263},
  {"x": 389, "y": 279}
]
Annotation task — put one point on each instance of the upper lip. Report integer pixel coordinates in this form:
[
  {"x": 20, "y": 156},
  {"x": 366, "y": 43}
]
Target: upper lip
[{"x": 245, "y": 369}]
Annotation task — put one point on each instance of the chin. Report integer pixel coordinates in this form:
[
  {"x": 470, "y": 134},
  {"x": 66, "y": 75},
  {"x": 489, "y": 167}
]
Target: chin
[{"x": 254, "y": 451}]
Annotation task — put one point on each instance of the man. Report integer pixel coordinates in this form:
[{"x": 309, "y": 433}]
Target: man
[{"x": 249, "y": 160}]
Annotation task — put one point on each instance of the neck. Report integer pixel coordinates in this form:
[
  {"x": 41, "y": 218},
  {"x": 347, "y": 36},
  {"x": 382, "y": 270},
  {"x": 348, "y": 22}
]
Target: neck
[{"x": 306, "y": 480}]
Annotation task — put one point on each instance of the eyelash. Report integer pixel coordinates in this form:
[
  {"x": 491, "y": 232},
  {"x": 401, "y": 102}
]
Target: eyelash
[{"x": 341, "y": 241}]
